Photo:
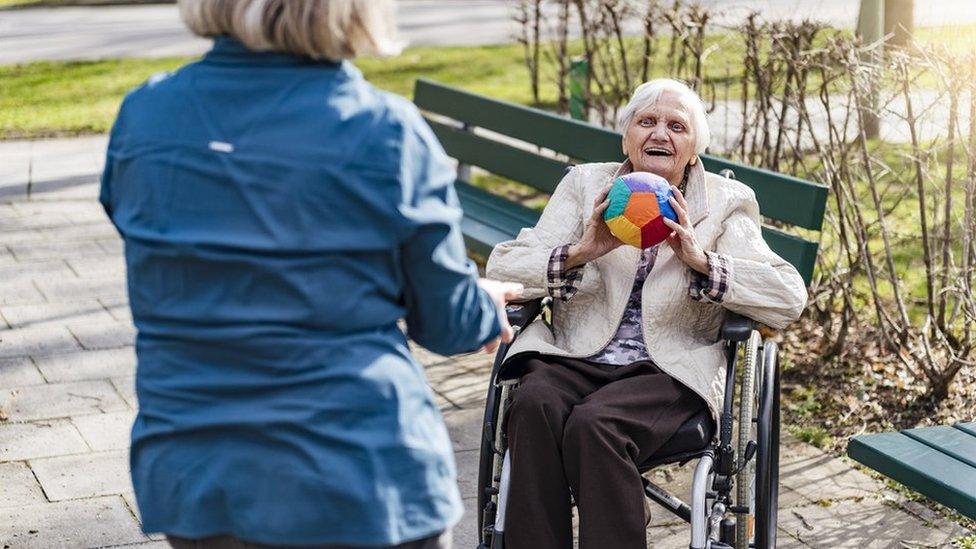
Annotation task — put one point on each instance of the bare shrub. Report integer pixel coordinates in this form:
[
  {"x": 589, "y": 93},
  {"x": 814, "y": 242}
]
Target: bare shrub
[{"x": 896, "y": 272}]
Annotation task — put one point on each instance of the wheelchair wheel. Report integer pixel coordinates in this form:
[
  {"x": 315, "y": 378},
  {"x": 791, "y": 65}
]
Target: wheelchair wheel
[
  {"x": 745, "y": 481},
  {"x": 767, "y": 456},
  {"x": 490, "y": 461}
]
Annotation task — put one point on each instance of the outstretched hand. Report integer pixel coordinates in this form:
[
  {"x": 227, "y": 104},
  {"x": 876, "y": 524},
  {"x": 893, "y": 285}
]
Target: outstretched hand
[
  {"x": 501, "y": 293},
  {"x": 682, "y": 238}
]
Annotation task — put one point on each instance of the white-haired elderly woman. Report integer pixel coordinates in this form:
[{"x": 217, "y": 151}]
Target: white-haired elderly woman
[
  {"x": 280, "y": 215},
  {"x": 631, "y": 351}
]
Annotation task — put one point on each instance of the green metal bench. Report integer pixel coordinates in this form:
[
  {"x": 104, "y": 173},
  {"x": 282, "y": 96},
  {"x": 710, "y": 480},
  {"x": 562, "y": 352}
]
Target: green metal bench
[
  {"x": 938, "y": 462},
  {"x": 511, "y": 147}
]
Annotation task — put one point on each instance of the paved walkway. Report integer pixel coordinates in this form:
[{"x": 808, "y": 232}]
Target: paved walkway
[
  {"x": 67, "y": 399},
  {"x": 155, "y": 30}
]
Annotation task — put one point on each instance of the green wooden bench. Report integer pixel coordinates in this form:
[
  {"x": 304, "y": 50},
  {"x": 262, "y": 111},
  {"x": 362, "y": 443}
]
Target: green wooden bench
[
  {"x": 535, "y": 147},
  {"x": 938, "y": 462}
]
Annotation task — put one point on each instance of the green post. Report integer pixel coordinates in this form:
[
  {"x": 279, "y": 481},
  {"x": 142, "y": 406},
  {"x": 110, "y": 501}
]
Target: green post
[{"x": 579, "y": 78}]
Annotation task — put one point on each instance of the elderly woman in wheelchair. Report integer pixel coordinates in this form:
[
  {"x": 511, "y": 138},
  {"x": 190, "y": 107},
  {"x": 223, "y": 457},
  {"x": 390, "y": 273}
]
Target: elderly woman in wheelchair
[{"x": 630, "y": 372}]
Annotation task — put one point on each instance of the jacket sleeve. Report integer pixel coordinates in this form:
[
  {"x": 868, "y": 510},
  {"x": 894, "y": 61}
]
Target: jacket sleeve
[
  {"x": 526, "y": 259},
  {"x": 761, "y": 285},
  {"x": 447, "y": 312}
]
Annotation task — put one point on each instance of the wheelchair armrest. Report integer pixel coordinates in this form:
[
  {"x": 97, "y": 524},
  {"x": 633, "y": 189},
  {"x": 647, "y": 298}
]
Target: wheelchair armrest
[
  {"x": 736, "y": 327},
  {"x": 522, "y": 314}
]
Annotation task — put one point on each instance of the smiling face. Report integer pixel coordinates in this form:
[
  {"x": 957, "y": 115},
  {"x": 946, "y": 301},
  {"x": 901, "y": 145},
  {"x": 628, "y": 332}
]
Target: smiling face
[{"x": 661, "y": 139}]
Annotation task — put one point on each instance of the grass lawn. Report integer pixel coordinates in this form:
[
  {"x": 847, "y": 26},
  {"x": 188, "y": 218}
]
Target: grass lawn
[
  {"x": 53, "y": 3},
  {"x": 69, "y": 98}
]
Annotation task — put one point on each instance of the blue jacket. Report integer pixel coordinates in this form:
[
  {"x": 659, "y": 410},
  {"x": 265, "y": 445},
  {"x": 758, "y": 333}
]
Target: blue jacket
[{"x": 280, "y": 216}]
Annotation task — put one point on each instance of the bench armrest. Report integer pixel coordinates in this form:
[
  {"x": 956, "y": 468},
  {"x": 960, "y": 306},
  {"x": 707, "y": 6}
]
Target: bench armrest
[
  {"x": 522, "y": 314},
  {"x": 736, "y": 327}
]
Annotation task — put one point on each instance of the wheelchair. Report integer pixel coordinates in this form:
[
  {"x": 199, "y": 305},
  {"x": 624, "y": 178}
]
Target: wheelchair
[{"x": 735, "y": 483}]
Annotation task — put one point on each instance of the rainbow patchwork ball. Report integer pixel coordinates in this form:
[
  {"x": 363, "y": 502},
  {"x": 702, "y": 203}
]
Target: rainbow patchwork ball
[{"x": 638, "y": 206}]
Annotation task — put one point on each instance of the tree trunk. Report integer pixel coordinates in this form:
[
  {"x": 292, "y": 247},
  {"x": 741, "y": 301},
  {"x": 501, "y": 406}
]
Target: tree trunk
[{"x": 899, "y": 22}]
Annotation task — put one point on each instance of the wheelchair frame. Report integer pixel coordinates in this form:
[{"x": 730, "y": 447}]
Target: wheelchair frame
[{"x": 715, "y": 519}]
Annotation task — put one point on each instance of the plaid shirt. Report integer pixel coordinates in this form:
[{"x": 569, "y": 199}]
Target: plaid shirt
[
  {"x": 627, "y": 344},
  {"x": 712, "y": 287}
]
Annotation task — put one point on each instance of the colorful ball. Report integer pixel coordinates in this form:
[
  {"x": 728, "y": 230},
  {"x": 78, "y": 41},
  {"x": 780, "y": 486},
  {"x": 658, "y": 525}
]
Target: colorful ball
[{"x": 638, "y": 206}]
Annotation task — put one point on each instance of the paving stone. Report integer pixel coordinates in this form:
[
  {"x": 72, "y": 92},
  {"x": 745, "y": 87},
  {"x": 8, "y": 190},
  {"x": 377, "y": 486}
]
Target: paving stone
[
  {"x": 83, "y": 475},
  {"x": 119, "y": 308},
  {"x": 105, "y": 335},
  {"x": 106, "y": 431},
  {"x": 126, "y": 386},
  {"x": 34, "y": 270},
  {"x": 460, "y": 366},
  {"x": 21, "y": 235},
  {"x": 130, "y": 500},
  {"x": 19, "y": 292},
  {"x": 86, "y": 230},
  {"x": 83, "y": 365},
  {"x": 464, "y": 427},
  {"x": 77, "y": 187},
  {"x": 6, "y": 257},
  {"x": 815, "y": 475},
  {"x": 36, "y": 341},
  {"x": 20, "y": 441},
  {"x": 55, "y": 249},
  {"x": 62, "y": 313},
  {"x": 466, "y": 390},
  {"x": 465, "y": 532},
  {"x": 19, "y": 371},
  {"x": 158, "y": 544},
  {"x": 70, "y": 524},
  {"x": 102, "y": 267},
  {"x": 19, "y": 486},
  {"x": 467, "y": 472},
  {"x": 112, "y": 246},
  {"x": 17, "y": 219},
  {"x": 73, "y": 289},
  {"x": 58, "y": 400},
  {"x": 862, "y": 524}
]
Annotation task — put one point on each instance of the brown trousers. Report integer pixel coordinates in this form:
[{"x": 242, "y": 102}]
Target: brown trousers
[
  {"x": 443, "y": 541},
  {"x": 581, "y": 426}
]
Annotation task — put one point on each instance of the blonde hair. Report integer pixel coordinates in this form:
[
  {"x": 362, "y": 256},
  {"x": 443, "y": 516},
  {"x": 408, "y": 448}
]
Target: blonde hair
[
  {"x": 319, "y": 29},
  {"x": 648, "y": 94}
]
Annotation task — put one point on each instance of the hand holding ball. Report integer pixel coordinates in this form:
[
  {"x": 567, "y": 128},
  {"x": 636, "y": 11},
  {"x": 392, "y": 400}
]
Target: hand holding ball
[{"x": 639, "y": 202}]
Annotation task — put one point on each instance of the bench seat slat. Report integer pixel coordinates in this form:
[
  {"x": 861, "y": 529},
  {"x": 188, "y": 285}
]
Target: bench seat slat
[
  {"x": 921, "y": 468},
  {"x": 949, "y": 441},
  {"x": 520, "y": 165},
  {"x": 801, "y": 253},
  {"x": 967, "y": 427}
]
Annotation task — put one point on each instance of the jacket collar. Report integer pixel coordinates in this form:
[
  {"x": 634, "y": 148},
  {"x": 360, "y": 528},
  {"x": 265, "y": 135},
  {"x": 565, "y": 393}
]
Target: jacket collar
[
  {"x": 229, "y": 51},
  {"x": 696, "y": 192}
]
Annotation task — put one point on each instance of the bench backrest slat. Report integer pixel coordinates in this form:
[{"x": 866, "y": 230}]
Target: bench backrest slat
[
  {"x": 517, "y": 164},
  {"x": 801, "y": 253},
  {"x": 575, "y": 139},
  {"x": 781, "y": 197}
]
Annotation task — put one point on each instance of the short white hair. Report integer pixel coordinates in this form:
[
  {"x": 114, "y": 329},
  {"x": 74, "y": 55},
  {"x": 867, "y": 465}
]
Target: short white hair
[
  {"x": 319, "y": 29},
  {"x": 650, "y": 92}
]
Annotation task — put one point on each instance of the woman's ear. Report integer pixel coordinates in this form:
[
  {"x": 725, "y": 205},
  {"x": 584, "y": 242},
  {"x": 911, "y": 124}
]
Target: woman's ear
[{"x": 693, "y": 161}]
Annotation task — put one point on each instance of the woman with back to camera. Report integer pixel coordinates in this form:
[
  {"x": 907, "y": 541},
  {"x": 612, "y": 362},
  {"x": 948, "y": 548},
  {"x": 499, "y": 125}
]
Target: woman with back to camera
[
  {"x": 280, "y": 215},
  {"x": 631, "y": 352}
]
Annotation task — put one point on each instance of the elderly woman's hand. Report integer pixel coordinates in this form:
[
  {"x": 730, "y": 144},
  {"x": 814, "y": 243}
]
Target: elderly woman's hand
[
  {"x": 683, "y": 240},
  {"x": 597, "y": 239}
]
